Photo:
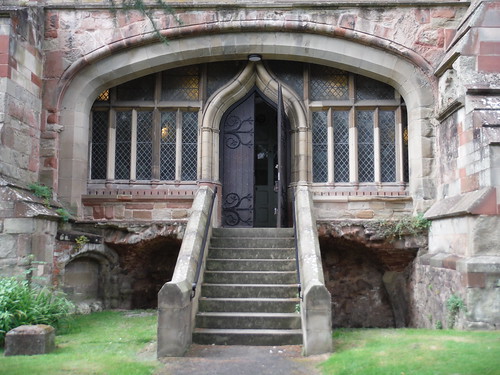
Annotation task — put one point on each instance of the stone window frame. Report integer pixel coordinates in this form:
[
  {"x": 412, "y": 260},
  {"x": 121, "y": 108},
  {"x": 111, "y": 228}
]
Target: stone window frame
[{"x": 113, "y": 105}]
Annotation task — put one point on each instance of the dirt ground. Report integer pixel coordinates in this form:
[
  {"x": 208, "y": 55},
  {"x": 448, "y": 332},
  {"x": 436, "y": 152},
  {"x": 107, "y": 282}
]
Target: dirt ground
[{"x": 242, "y": 360}]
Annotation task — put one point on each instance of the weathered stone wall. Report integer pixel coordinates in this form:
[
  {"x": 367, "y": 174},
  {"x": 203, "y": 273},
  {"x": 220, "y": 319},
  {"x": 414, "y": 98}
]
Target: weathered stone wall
[{"x": 21, "y": 59}]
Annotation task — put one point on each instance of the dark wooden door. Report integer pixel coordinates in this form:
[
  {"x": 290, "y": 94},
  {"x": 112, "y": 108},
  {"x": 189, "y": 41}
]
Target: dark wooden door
[
  {"x": 283, "y": 163},
  {"x": 238, "y": 165}
]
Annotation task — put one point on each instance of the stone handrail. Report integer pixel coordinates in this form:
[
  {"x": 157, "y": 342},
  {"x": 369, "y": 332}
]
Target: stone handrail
[
  {"x": 316, "y": 302},
  {"x": 176, "y": 309}
]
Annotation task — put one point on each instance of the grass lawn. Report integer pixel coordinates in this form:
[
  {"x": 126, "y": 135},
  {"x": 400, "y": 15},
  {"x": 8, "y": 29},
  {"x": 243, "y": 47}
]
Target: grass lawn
[
  {"x": 108, "y": 342},
  {"x": 413, "y": 352}
]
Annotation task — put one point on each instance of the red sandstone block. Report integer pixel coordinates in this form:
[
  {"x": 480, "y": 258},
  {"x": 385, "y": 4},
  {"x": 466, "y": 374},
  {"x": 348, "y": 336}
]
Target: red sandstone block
[
  {"x": 36, "y": 80},
  {"x": 422, "y": 15},
  {"x": 139, "y": 206},
  {"x": 146, "y": 215},
  {"x": 4, "y": 44},
  {"x": 469, "y": 183},
  {"x": 109, "y": 212},
  {"x": 451, "y": 262},
  {"x": 449, "y": 35},
  {"x": 488, "y": 64},
  {"x": 462, "y": 172},
  {"x": 474, "y": 280},
  {"x": 489, "y": 48},
  {"x": 4, "y": 70},
  {"x": 4, "y": 58},
  {"x": 443, "y": 13},
  {"x": 50, "y": 162}
]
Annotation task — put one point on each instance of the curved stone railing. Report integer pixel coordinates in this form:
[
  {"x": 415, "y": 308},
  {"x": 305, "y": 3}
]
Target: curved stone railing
[
  {"x": 316, "y": 301},
  {"x": 176, "y": 308}
]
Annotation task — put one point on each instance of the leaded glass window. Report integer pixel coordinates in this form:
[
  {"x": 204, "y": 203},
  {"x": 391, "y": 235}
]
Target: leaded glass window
[
  {"x": 341, "y": 145},
  {"x": 123, "y": 145},
  {"x": 181, "y": 84},
  {"x": 168, "y": 145},
  {"x": 220, "y": 73},
  {"x": 144, "y": 145},
  {"x": 370, "y": 89},
  {"x": 387, "y": 146},
  {"x": 189, "y": 145},
  {"x": 291, "y": 73},
  {"x": 364, "y": 124},
  {"x": 328, "y": 83},
  {"x": 140, "y": 89},
  {"x": 320, "y": 146},
  {"x": 99, "y": 145}
]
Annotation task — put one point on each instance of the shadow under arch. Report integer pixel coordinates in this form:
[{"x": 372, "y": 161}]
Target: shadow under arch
[{"x": 411, "y": 80}]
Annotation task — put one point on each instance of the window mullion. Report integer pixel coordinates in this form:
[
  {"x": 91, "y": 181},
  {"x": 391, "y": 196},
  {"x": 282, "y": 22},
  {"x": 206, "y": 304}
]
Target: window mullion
[
  {"x": 399, "y": 146},
  {"x": 376, "y": 147},
  {"x": 353, "y": 147},
  {"x": 111, "y": 145},
  {"x": 178, "y": 145},
  {"x": 133, "y": 147},
  {"x": 331, "y": 146}
]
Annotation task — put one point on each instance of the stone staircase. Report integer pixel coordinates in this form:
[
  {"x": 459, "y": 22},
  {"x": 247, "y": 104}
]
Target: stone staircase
[{"x": 249, "y": 291}]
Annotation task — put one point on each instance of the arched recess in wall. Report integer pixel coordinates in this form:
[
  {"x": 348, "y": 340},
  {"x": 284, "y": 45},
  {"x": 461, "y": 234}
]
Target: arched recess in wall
[{"x": 84, "y": 86}]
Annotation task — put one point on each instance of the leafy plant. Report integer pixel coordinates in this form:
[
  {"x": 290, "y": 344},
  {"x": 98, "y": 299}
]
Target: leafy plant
[
  {"x": 41, "y": 191},
  {"x": 406, "y": 226},
  {"x": 64, "y": 214},
  {"x": 81, "y": 241},
  {"x": 454, "y": 304},
  {"x": 22, "y": 303}
]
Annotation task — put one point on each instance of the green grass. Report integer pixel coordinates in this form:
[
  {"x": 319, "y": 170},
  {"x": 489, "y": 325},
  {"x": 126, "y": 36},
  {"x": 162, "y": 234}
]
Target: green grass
[
  {"x": 413, "y": 352},
  {"x": 108, "y": 343}
]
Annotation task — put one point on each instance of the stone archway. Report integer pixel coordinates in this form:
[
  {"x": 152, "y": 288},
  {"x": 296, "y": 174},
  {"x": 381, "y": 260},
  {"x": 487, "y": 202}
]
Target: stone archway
[{"x": 84, "y": 85}]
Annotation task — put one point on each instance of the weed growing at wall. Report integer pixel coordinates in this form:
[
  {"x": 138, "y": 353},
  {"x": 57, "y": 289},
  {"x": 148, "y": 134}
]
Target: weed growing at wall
[
  {"x": 80, "y": 242},
  {"x": 454, "y": 304},
  {"x": 407, "y": 226},
  {"x": 41, "y": 191},
  {"x": 22, "y": 303}
]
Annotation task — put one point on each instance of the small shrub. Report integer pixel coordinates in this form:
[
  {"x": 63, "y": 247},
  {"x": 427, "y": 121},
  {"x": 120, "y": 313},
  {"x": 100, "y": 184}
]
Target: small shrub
[
  {"x": 21, "y": 304},
  {"x": 80, "y": 242},
  {"x": 64, "y": 214},
  {"x": 41, "y": 191},
  {"x": 454, "y": 304},
  {"x": 406, "y": 226}
]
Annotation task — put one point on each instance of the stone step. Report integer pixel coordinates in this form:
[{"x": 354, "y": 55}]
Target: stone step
[
  {"x": 250, "y": 265},
  {"x": 249, "y": 290},
  {"x": 282, "y": 305},
  {"x": 246, "y": 320},
  {"x": 250, "y": 277},
  {"x": 253, "y": 232},
  {"x": 255, "y": 253},
  {"x": 252, "y": 242},
  {"x": 258, "y": 337}
]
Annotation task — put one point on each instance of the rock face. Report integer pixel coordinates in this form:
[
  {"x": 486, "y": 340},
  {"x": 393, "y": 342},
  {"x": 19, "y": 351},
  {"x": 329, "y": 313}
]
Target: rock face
[
  {"x": 30, "y": 340},
  {"x": 366, "y": 275}
]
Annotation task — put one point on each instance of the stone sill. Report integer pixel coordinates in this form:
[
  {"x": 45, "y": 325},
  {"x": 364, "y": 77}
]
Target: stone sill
[{"x": 476, "y": 264}]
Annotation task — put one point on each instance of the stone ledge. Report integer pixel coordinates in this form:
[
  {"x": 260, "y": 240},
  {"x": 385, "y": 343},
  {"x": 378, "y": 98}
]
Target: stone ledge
[{"x": 479, "y": 202}]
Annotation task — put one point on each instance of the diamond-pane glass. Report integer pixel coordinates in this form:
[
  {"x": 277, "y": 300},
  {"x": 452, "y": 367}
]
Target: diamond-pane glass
[
  {"x": 167, "y": 145},
  {"x": 320, "y": 146},
  {"x": 139, "y": 89},
  {"x": 220, "y": 73},
  {"x": 406, "y": 169},
  {"x": 341, "y": 149},
  {"x": 328, "y": 83},
  {"x": 103, "y": 96},
  {"x": 122, "y": 153},
  {"x": 181, "y": 83},
  {"x": 189, "y": 145},
  {"x": 144, "y": 145},
  {"x": 364, "y": 123},
  {"x": 99, "y": 145},
  {"x": 387, "y": 146},
  {"x": 370, "y": 89},
  {"x": 290, "y": 72}
]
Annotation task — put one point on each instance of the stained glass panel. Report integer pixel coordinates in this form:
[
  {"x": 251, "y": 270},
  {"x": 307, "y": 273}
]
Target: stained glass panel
[
  {"x": 364, "y": 123},
  {"x": 341, "y": 149},
  {"x": 122, "y": 153},
  {"x": 99, "y": 145},
  {"x": 320, "y": 146},
  {"x": 387, "y": 146},
  {"x": 139, "y": 89},
  {"x": 406, "y": 168},
  {"x": 328, "y": 83},
  {"x": 291, "y": 73},
  {"x": 220, "y": 73},
  {"x": 144, "y": 145},
  {"x": 181, "y": 83},
  {"x": 370, "y": 89},
  {"x": 103, "y": 96},
  {"x": 189, "y": 145},
  {"x": 167, "y": 145}
]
